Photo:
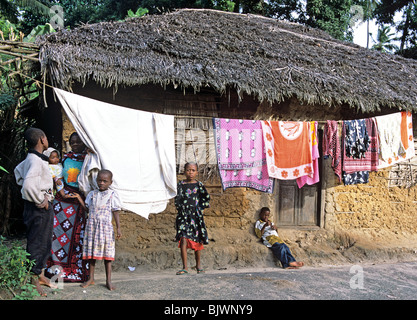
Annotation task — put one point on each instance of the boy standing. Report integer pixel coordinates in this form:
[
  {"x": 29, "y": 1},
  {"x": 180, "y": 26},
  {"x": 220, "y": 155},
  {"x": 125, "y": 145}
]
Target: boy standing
[{"x": 34, "y": 177}]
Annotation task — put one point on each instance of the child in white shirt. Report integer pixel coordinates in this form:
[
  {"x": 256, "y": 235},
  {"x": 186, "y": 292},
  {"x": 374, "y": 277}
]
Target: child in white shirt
[
  {"x": 34, "y": 177},
  {"x": 55, "y": 167},
  {"x": 267, "y": 232}
]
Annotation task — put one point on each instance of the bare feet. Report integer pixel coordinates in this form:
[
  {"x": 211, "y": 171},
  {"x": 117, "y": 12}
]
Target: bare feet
[
  {"x": 295, "y": 265},
  {"x": 109, "y": 286},
  {"x": 37, "y": 284},
  {"x": 44, "y": 281},
  {"x": 88, "y": 283}
]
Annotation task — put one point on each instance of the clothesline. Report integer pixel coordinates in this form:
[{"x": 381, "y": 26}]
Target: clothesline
[{"x": 208, "y": 117}]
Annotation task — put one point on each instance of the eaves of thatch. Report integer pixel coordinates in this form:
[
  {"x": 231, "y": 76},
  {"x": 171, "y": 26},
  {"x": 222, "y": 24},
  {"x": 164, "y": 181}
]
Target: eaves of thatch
[{"x": 268, "y": 59}]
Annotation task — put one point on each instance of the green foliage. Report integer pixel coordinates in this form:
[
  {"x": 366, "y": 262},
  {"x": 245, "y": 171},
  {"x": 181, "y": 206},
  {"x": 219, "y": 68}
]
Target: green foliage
[
  {"x": 38, "y": 31},
  {"x": 6, "y": 27},
  {"x": 7, "y": 100},
  {"x": 139, "y": 13},
  {"x": 35, "y": 6},
  {"x": 331, "y": 16},
  {"x": 161, "y": 6},
  {"x": 224, "y": 5},
  {"x": 291, "y": 10},
  {"x": 406, "y": 27},
  {"x": 8, "y": 11},
  {"x": 384, "y": 40},
  {"x": 16, "y": 91},
  {"x": 30, "y": 18},
  {"x": 14, "y": 271},
  {"x": 2, "y": 169}
]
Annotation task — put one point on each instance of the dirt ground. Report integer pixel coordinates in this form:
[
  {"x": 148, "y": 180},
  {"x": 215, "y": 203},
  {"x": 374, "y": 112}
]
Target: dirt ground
[
  {"x": 149, "y": 273},
  {"x": 236, "y": 249},
  {"x": 389, "y": 281}
]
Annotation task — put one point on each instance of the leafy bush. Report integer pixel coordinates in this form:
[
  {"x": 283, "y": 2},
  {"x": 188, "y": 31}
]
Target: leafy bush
[
  {"x": 15, "y": 276},
  {"x": 139, "y": 13}
]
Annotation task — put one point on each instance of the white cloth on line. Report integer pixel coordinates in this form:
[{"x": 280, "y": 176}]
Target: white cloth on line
[
  {"x": 389, "y": 132},
  {"x": 137, "y": 146},
  {"x": 396, "y": 138}
]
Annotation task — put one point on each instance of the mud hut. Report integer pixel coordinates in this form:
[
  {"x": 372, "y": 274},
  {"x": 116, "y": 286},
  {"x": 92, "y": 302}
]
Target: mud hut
[{"x": 199, "y": 64}]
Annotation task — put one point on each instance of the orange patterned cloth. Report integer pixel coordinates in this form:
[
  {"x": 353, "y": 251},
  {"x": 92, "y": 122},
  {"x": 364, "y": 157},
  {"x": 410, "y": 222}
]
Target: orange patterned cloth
[
  {"x": 288, "y": 149},
  {"x": 301, "y": 181},
  {"x": 395, "y": 133}
]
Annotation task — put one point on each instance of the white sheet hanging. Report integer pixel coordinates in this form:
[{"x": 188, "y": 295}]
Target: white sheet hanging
[{"x": 137, "y": 146}]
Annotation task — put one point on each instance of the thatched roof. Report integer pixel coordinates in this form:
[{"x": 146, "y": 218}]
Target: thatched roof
[{"x": 269, "y": 59}]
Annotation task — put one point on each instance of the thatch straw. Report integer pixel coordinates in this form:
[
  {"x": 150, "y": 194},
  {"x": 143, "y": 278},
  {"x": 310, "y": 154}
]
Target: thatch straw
[{"x": 268, "y": 59}]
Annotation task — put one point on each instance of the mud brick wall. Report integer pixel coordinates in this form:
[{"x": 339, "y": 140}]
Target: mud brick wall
[{"x": 372, "y": 208}]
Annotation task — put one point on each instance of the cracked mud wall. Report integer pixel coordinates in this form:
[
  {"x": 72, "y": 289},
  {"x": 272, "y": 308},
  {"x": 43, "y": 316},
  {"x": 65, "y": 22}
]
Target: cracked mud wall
[{"x": 372, "y": 210}]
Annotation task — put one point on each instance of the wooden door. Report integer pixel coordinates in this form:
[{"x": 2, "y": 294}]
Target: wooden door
[{"x": 297, "y": 207}]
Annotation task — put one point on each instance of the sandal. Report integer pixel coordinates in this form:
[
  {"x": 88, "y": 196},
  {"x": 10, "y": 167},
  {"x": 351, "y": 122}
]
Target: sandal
[
  {"x": 200, "y": 271},
  {"x": 181, "y": 272}
]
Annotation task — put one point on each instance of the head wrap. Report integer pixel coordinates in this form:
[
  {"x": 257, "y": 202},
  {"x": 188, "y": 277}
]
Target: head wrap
[{"x": 48, "y": 152}]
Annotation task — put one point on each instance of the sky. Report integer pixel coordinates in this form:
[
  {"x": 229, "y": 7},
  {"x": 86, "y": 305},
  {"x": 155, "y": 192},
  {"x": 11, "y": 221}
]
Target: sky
[{"x": 359, "y": 35}]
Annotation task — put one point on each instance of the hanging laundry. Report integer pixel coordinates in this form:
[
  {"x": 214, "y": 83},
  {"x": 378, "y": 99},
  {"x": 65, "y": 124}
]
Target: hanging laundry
[
  {"x": 137, "y": 146},
  {"x": 389, "y": 130},
  {"x": 240, "y": 154},
  {"x": 355, "y": 137},
  {"x": 355, "y": 177},
  {"x": 355, "y": 142},
  {"x": 396, "y": 140},
  {"x": 360, "y": 154},
  {"x": 315, "y": 156},
  {"x": 331, "y": 146},
  {"x": 288, "y": 149},
  {"x": 404, "y": 128}
]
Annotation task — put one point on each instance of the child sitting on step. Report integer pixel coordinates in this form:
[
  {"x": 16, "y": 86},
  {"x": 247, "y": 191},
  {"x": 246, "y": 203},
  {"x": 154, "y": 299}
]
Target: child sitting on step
[{"x": 267, "y": 232}]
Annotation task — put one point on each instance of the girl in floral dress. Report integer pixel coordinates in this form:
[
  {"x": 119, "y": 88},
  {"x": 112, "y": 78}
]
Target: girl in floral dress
[{"x": 192, "y": 198}]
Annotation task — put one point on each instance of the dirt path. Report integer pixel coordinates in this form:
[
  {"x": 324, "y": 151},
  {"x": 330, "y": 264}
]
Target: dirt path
[{"x": 389, "y": 281}]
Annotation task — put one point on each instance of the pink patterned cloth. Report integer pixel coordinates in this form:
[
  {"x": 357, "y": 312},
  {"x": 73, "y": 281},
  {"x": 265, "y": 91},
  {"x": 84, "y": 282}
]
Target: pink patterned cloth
[
  {"x": 331, "y": 146},
  {"x": 240, "y": 154},
  {"x": 301, "y": 181}
]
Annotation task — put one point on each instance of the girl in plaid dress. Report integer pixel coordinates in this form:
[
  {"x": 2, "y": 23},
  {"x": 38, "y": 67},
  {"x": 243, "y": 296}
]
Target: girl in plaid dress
[{"x": 99, "y": 239}]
